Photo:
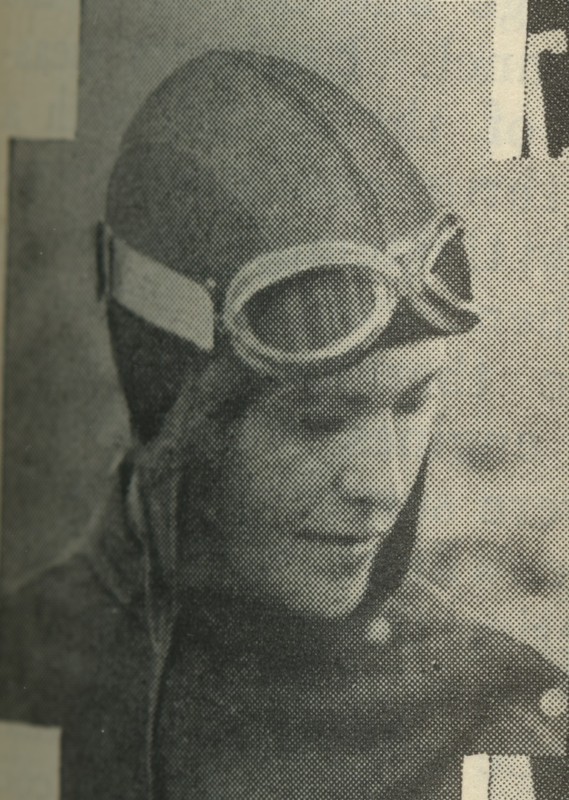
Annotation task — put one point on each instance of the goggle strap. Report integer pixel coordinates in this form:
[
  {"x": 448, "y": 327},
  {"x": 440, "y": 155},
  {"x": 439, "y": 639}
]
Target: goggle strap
[
  {"x": 154, "y": 292},
  {"x": 104, "y": 253}
]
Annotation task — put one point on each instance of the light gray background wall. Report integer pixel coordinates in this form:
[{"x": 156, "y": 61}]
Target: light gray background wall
[{"x": 426, "y": 68}]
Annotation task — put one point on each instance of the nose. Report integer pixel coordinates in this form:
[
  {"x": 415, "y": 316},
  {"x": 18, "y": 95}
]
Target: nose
[{"x": 371, "y": 476}]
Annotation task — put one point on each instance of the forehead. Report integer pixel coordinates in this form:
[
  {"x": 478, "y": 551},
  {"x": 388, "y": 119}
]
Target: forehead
[
  {"x": 381, "y": 375},
  {"x": 388, "y": 371}
]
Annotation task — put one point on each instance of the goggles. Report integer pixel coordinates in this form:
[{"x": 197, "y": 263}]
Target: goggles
[{"x": 310, "y": 306}]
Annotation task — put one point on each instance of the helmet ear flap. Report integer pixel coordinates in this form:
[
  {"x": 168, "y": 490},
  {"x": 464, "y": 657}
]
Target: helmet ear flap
[{"x": 152, "y": 365}]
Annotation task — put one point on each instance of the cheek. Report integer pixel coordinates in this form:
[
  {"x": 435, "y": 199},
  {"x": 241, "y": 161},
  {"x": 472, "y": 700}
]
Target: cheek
[
  {"x": 268, "y": 479},
  {"x": 414, "y": 434}
]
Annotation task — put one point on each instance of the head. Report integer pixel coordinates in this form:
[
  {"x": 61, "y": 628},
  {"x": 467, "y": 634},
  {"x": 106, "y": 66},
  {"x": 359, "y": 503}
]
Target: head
[{"x": 309, "y": 257}]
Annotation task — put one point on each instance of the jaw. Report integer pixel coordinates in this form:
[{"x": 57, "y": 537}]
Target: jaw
[{"x": 315, "y": 589}]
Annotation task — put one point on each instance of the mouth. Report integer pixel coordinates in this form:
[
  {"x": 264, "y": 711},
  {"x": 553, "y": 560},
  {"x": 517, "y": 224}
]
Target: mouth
[{"x": 343, "y": 540}]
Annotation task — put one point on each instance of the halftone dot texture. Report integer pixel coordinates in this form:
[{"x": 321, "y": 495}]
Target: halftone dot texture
[
  {"x": 314, "y": 676},
  {"x": 250, "y": 700}
]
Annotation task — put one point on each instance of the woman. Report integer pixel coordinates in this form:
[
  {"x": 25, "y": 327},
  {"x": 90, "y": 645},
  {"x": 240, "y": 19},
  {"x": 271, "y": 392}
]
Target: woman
[{"x": 281, "y": 290}]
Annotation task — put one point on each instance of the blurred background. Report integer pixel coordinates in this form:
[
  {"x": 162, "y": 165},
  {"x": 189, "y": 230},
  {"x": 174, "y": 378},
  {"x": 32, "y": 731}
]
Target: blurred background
[{"x": 494, "y": 530}]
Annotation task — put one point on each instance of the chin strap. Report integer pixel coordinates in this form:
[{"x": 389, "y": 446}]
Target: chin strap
[{"x": 152, "y": 511}]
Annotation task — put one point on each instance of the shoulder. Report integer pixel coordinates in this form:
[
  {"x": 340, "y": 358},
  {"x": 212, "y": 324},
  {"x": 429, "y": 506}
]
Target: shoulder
[
  {"x": 499, "y": 693},
  {"x": 73, "y": 657},
  {"x": 62, "y": 634}
]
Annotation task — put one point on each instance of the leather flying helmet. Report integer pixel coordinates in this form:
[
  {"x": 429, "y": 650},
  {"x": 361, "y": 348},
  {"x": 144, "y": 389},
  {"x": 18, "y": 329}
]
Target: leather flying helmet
[{"x": 255, "y": 203}]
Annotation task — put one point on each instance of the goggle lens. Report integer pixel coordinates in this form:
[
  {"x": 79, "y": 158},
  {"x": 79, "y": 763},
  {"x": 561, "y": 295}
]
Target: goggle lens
[{"x": 311, "y": 310}]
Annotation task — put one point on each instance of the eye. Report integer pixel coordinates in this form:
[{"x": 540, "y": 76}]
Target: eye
[
  {"x": 319, "y": 424},
  {"x": 414, "y": 399}
]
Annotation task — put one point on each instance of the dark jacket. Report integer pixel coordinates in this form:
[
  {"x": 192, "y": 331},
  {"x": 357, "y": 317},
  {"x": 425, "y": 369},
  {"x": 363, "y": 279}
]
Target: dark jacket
[{"x": 250, "y": 704}]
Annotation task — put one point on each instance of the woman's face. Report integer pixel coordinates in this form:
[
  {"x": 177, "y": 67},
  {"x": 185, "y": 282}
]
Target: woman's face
[{"x": 316, "y": 474}]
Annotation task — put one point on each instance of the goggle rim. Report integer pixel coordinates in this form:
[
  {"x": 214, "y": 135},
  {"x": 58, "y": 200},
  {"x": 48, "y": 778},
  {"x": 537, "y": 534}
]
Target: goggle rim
[
  {"x": 255, "y": 276},
  {"x": 456, "y": 316}
]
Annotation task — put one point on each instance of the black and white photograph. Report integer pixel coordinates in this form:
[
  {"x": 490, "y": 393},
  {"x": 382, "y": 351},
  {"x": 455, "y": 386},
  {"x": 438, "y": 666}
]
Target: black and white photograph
[{"x": 285, "y": 457}]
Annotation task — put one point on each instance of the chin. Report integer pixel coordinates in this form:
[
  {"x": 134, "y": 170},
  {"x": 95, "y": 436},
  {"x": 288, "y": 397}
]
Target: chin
[{"x": 319, "y": 599}]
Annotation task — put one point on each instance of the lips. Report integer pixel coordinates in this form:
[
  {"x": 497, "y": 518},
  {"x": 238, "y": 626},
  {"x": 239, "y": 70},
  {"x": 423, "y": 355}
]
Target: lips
[{"x": 338, "y": 539}]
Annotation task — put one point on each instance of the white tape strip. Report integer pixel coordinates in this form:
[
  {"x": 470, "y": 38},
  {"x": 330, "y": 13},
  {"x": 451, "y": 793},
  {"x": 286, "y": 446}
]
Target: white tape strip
[
  {"x": 506, "y": 130},
  {"x": 503, "y": 777},
  {"x": 29, "y": 762},
  {"x": 476, "y": 777}
]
